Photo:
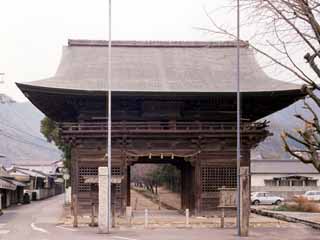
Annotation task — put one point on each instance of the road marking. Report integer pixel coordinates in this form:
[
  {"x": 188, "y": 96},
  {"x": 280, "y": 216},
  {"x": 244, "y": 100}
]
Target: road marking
[
  {"x": 37, "y": 228},
  {"x": 66, "y": 228},
  {"x": 124, "y": 238},
  {"x": 4, "y": 231}
]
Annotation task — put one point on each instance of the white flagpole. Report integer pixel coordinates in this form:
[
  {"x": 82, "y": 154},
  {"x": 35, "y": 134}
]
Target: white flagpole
[
  {"x": 238, "y": 120},
  {"x": 109, "y": 123}
]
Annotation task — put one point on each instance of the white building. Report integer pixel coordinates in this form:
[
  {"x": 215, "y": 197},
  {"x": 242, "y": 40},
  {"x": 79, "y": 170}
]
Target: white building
[{"x": 285, "y": 178}]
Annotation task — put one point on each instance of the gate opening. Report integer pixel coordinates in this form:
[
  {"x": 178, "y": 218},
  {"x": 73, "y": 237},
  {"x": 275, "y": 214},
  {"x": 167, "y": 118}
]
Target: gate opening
[{"x": 160, "y": 184}]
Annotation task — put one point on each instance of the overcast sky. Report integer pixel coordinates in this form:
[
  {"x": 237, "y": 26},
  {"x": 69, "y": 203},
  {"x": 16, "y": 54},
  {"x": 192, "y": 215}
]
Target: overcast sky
[{"x": 34, "y": 31}]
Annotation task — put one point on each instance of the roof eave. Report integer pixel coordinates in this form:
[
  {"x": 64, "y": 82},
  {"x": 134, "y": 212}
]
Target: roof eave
[{"x": 28, "y": 87}]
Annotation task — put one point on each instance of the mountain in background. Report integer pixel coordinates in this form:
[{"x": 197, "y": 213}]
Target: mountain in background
[
  {"x": 20, "y": 138},
  {"x": 284, "y": 120}
]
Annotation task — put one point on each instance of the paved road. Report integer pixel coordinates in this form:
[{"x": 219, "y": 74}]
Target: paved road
[{"x": 39, "y": 221}]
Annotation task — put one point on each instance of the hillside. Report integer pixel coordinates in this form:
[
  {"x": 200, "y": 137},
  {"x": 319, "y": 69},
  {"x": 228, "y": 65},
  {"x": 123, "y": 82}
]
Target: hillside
[
  {"x": 20, "y": 137},
  {"x": 272, "y": 147}
]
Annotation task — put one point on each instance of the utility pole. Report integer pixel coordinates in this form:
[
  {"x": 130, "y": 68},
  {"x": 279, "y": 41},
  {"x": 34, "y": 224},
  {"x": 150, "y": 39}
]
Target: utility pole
[
  {"x": 238, "y": 122},
  {"x": 109, "y": 124}
]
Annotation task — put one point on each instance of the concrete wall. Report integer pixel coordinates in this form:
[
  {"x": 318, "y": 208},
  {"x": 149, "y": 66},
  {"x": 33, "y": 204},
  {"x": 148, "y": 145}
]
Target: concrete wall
[
  {"x": 286, "y": 192},
  {"x": 45, "y": 192}
]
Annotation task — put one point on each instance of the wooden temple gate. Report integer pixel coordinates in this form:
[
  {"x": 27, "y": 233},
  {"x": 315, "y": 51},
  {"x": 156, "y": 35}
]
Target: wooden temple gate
[
  {"x": 204, "y": 152},
  {"x": 172, "y": 102}
]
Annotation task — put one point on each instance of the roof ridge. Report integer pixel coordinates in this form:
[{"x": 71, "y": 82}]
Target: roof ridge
[{"x": 132, "y": 43}]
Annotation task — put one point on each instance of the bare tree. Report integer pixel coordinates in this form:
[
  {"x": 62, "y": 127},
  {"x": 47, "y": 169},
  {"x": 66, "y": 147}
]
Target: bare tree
[{"x": 286, "y": 32}]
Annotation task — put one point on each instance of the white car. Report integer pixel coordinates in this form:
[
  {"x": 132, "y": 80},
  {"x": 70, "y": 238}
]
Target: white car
[
  {"x": 265, "y": 198},
  {"x": 312, "y": 195}
]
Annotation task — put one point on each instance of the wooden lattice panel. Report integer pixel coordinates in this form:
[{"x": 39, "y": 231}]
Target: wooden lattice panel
[
  {"x": 116, "y": 171},
  {"x": 213, "y": 178},
  {"x": 93, "y": 171},
  {"x": 86, "y": 172}
]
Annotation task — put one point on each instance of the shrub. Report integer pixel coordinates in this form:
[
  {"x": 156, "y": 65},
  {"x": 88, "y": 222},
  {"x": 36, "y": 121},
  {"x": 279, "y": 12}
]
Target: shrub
[
  {"x": 300, "y": 204},
  {"x": 306, "y": 205}
]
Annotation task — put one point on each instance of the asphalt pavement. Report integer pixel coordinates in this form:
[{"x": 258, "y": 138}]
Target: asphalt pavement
[{"x": 40, "y": 221}]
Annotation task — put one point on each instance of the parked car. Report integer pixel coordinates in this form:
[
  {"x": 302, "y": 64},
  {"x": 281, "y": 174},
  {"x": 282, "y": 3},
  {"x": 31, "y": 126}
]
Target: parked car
[
  {"x": 265, "y": 198},
  {"x": 312, "y": 195}
]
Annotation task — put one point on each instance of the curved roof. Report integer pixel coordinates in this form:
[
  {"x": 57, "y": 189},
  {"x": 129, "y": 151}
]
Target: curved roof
[{"x": 160, "y": 67}]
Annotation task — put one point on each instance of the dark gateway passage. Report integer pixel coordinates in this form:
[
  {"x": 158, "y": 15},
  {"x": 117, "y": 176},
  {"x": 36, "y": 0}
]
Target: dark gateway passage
[{"x": 172, "y": 102}]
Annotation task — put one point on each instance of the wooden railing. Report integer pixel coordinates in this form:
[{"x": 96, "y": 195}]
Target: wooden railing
[{"x": 96, "y": 127}]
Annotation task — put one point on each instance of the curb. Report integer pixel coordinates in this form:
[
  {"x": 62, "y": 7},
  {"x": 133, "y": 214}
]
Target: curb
[{"x": 286, "y": 218}]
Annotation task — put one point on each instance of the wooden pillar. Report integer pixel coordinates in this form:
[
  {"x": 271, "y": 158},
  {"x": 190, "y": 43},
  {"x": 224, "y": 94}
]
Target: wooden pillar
[
  {"x": 74, "y": 170},
  {"x": 183, "y": 187},
  {"x": 197, "y": 188},
  {"x": 244, "y": 201},
  {"x": 113, "y": 204},
  {"x": 128, "y": 186},
  {"x": 188, "y": 187},
  {"x": 192, "y": 187},
  {"x": 124, "y": 190},
  {"x": 75, "y": 210}
]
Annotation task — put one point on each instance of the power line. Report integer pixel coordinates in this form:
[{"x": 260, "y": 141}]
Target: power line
[
  {"x": 24, "y": 141},
  {"x": 21, "y": 130}
]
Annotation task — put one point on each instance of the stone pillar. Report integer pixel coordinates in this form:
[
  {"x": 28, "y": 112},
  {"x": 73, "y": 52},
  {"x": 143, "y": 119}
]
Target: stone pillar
[
  {"x": 103, "y": 200},
  {"x": 244, "y": 201}
]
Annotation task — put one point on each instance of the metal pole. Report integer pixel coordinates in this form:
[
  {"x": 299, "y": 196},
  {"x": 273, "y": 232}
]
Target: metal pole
[
  {"x": 109, "y": 123},
  {"x": 238, "y": 120}
]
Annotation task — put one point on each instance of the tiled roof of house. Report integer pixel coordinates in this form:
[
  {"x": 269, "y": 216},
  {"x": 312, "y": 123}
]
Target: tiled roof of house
[{"x": 281, "y": 166}]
